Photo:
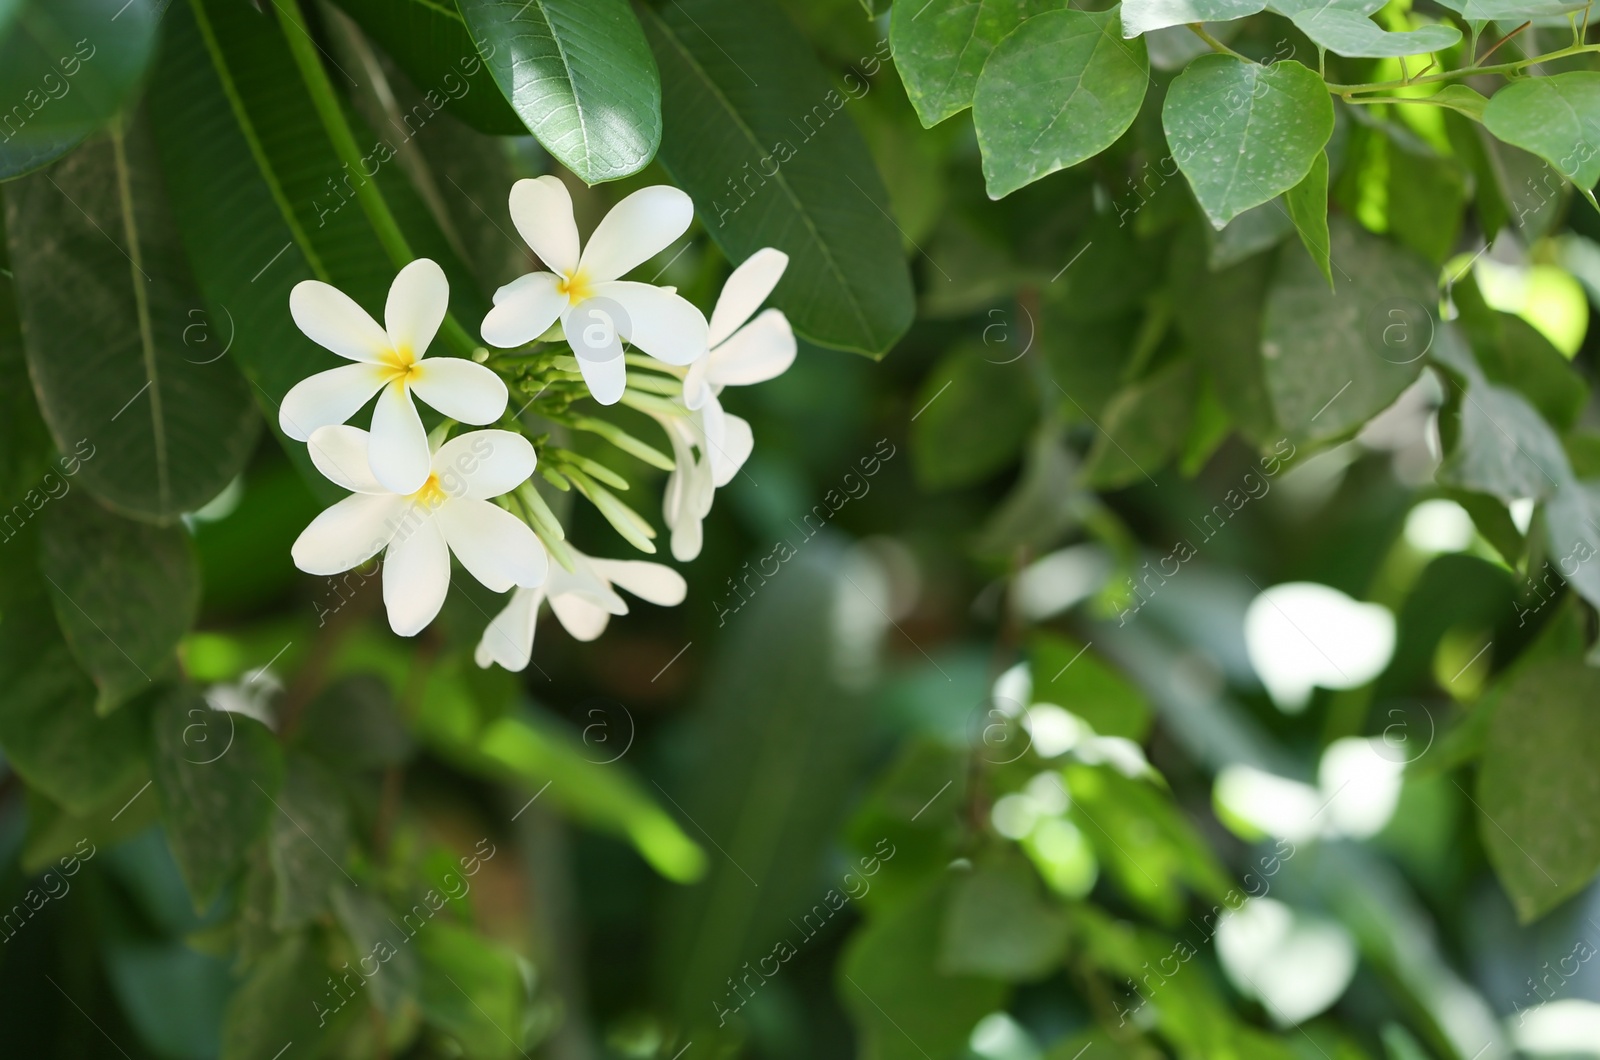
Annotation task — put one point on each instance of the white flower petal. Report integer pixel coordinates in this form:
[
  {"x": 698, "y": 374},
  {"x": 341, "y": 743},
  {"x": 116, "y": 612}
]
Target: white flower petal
[
  {"x": 334, "y": 321},
  {"x": 328, "y": 397},
  {"x": 340, "y": 453},
  {"x": 418, "y": 299},
  {"x": 747, "y": 287},
  {"x": 495, "y": 546},
  {"x": 603, "y": 368},
  {"x": 763, "y": 349},
  {"x": 508, "y": 639},
  {"x": 581, "y": 616},
  {"x": 523, "y": 310},
  {"x": 416, "y": 577},
  {"x": 654, "y": 583},
  {"x": 541, "y": 209},
  {"x": 696, "y": 384},
  {"x": 729, "y": 457},
  {"x": 636, "y": 230},
  {"x": 461, "y": 389},
  {"x": 666, "y": 326},
  {"x": 398, "y": 449},
  {"x": 483, "y": 464},
  {"x": 349, "y": 533},
  {"x": 688, "y": 537}
]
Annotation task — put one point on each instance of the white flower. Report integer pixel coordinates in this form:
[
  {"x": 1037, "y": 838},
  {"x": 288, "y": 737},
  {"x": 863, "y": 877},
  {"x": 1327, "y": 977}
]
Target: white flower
[
  {"x": 741, "y": 353},
  {"x": 389, "y": 362},
  {"x": 597, "y": 310},
  {"x": 583, "y": 599},
  {"x": 450, "y": 513}
]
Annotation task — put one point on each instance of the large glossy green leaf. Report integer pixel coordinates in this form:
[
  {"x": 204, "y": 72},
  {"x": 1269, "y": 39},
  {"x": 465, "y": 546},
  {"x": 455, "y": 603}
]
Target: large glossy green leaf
[
  {"x": 261, "y": 200},
  {"x": 66, "y": 68},
  {"x": 1307, "y": 203},
  {"x": 216, "y": 775},
  {"x": 1061, "y": 88},
  {"x": 1142, "y": 16},
  {"x": 429, "y": 39},
  {"x": 1557, "y": 118},
  {"x": 579, "y": 74},
  {"x": 1538, "y": 789},
  {"x": 105, "y": 297},
  {"x": 1244, "y": 133},
  {"x": 1345, "y": 27},
  {"x": 940, "y": 47},
  {"x": 774, "y": 163},
  {"x": 1335, "y": 358},
  {"x": 124, "y": 593},
  {"x": 48, "y": 727}
]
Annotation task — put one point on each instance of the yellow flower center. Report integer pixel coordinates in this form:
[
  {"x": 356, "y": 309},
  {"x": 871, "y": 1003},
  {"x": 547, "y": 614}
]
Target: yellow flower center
[
  {"x": 400, "y": 365},
  {"x": 431, "y": 495},
  {"x": 575, "y": 286}
]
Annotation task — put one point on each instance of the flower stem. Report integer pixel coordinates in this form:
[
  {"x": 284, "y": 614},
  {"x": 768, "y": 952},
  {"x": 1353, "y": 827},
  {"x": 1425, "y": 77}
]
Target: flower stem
[{"x": 304, "y": 50}]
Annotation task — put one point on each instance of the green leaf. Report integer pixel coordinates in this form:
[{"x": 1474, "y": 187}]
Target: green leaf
[
  {"x": 940, "y": 47},
  {"x": 1556, "y": 118},
  {"x": 1538, "y": 790},
  {"x": 1334, "y": 359},
  {"x": 104, "y": 293},
  {"x": 284, "y": 1000},
  {"x": 1308, "y": 208},
  {"x": 27, "y": 475},
  {"x": 1059, "y": 89},
  {"x": 999, "y": 925},
  {"x": 802, "y": 179},
  {"x": 974, "y": 411},
  {"x": 306, "y": 841},
  {"x": 1065, "y": 673},
  {"x": 1463, "y": 100},
  {"x": 65, "y": 71},
  {"x": 1143, "y": 427},
  {"x": 1345, "y": 27},
  {"x": 216, "y": 774},
  {"x": 579, "y": 74},
  {"x": 373, "y": 934},
  {"x": 1426, "y": 195},
  {"x": 1244, "y": 133},
  {"x": 1219, "y": 317},
  {"x": 430, "y": 42},
  {"x": 1503, "y": 447},
  {"x": 1572, "y": 530},
  {"x": 889, "y": 979},
  {"x": 124, "y": 593},
  {"x": 471, "y": 990},
  {"x": 1511, "y": 10},
  {"x": 1142, "y": 16},
  {"x": 48, "y": 726},
  {"x": 354, "y": 725}
]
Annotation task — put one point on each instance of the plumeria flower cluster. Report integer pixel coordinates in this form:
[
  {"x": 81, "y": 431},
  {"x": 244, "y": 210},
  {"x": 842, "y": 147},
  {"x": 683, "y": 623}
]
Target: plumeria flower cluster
[{"x": 419, "y": 497}]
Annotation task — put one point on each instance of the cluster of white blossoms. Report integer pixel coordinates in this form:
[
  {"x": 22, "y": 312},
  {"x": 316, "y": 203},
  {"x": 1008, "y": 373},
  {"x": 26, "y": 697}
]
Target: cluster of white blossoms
[{"x": 419, "y": 497}]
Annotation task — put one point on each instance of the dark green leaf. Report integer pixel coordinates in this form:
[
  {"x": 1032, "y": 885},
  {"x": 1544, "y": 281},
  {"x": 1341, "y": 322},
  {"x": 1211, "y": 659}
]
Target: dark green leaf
[
  {"x": 105, "y": 297},
  {"x": 354, "y": 725},
  {"x": 975, "y": 409},
  {"x": 472, "y": 990},
  {"x": 1067, "y": 674},
  {"x": 940, "y": 47},
  {"x": 216, "y": 774},
  {"x": 65, "y": 71},
  {"x": 306, "y": 841},
  {"x": 579, "y": 74},
  {"x": 1427, "y": 193},
  {"x": 1503, "y": 448},
  {"x": 1143, "y": 427},
  {"x": 889, "y": 980},
  {"x": 1061, "y": 88},
  {"x": 284, "y": 1001},
  {"x": 1244, "y": 133},
  {"x": 48, "y": 726},
  {"x": 774, "y": 163},
  {"x": 1308, "y": 207},
  {"x": 375, "y": 936},
  {"x": 430, "y": 41},
  {"x": 125, "y": 593},
  {"x": 1336, "y": 358},
  {"x": 1538, "y": 790},
  {"x": 999, "y": 925}
]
